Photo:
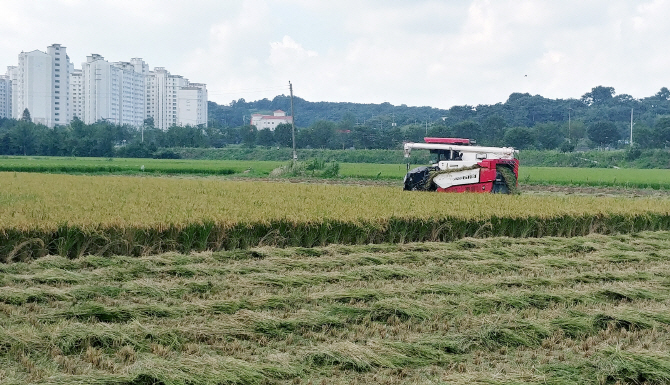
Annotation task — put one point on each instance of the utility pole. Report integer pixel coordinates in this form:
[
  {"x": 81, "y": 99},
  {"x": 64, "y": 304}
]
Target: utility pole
[
  {"x": 631, "y": 127},
  {"x": 295, "y": 155}
]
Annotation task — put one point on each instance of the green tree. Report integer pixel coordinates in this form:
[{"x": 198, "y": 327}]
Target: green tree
[
  {"x": 567, "y": 146},
  {"x": 548, "y": 135},
  {"x": 439, "y": 130},
  {"x": 248, "y": 134},
  {"x": 576, "y": 130},
  {"x": 283, "y": 135},
  {"x": 520, "y": 138},
  {"x": 5, "y": 144},
  {"x": 493, "y": 130},
  {"x": 185, "y": 136},
  {"x": 322, "y": 134},
  {"x": 663, "y": 94},
  {"x": 662, "y": 130},
  {"x": 23, "y": 137},
  {"x": 467, "y": 130},
  {"x": 232, "y": 135},
  {"x": 644, "y": 137},
  {"x": 364, "y": 137},
  {"x": 26, "y": 116},
  {"x": 598, "y": 95},
  {"x": 265, "y": 137},
  {"x": 154, "y": 136},
  {"x": 149, "y": 122},
  {"x": 215, "y": 135},
  {"x": 603, "y": 133}
]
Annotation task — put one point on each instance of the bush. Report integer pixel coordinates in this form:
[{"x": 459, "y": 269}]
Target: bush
[
  {"x": 332, "y": 171},
  {"x": 633, "y": 152},
  {"x": 567, "y": 146}
]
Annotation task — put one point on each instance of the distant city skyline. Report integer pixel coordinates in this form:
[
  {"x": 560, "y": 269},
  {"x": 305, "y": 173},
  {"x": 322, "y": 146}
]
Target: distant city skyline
[
  {"x": 48, "y": 86},
  {"x": 418, "y": 53}
]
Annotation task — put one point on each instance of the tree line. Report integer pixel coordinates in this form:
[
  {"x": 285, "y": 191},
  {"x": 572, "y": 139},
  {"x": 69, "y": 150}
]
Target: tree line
[
  {"x": 599, "y": 119},
  {"x": 101, "y": 139}
]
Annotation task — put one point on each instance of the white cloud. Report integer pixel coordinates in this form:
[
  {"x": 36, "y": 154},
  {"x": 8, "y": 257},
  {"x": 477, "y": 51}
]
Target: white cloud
[
  {"x": 288, "y": 53},
  {"x": 415, "y": 52}
]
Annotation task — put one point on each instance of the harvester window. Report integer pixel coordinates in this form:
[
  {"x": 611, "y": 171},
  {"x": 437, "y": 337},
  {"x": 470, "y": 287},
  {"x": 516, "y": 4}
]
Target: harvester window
[{"x": 442, "y": 155}]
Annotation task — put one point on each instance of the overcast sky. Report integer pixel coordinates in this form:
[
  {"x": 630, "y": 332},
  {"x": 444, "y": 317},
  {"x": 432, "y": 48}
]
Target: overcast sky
[{"x": 413, "y": 52}]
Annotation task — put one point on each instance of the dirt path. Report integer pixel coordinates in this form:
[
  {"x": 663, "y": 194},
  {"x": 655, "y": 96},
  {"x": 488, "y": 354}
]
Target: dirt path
[
  {"x": 597, "y": 191},
  {"x": 525, "y": 189}
]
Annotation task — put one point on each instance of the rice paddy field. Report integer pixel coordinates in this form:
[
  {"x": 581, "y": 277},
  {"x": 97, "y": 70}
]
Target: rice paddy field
[
  {"x": 145, "y": 279},
  {"x": 609, "y": 177},
  {"x": 73, "y": 215},
  {"x": 564, "y": 176},
  {"x": 581, "y": 310},
  {"x": 72, "y": 165}
]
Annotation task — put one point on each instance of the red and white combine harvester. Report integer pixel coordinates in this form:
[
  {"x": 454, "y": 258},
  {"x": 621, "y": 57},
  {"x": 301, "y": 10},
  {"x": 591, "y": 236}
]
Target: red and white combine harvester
[{"x": 459, "y": 166}]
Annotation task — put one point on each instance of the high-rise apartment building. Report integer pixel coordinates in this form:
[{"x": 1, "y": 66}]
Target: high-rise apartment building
[
  {"x": 40, "y": 83},
  {"x": 60, "y": 85},
  {"x": 5, "y": 97},
  {"x": 162, "y": 88},
  {"x": 113, "y": 92},
  {"x": 100, "y": 84},
  {"x": 192, "y": 105},
  {"x": 13, "y": 75},
  {"x": 173, "y": 100},
  {"x": 76, "y": 94},
  {"x": 133, "y": 91},
  {"x": 33, "y": 90},
  {"x": 48, "y": 85}
]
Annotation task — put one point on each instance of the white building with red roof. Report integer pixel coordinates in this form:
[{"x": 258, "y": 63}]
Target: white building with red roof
[{"x": 270, "y": 121}]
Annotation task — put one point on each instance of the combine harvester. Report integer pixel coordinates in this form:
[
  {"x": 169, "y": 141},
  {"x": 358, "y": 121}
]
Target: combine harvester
[{"x": 462, "y": 167}]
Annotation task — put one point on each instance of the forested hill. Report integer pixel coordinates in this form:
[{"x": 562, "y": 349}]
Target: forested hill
[
  {"x": 307, "y": 113},
  {"x": 520, "y": 110}
]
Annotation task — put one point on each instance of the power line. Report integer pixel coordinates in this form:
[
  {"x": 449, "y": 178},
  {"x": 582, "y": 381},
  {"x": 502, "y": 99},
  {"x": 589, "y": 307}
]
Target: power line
[{"x": 247, "y": 90}]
